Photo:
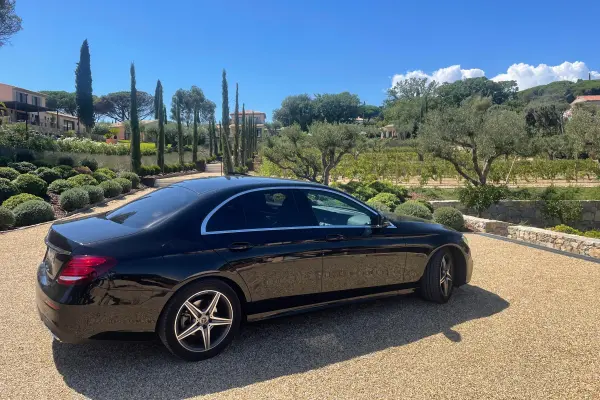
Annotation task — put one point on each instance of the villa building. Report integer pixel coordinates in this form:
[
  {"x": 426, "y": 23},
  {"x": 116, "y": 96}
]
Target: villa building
[{"x": 258, "y": 117}]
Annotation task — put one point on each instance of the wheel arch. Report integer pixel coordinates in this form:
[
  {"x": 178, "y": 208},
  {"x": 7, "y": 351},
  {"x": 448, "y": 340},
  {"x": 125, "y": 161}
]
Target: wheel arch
[{"x": 460, "y": 259}]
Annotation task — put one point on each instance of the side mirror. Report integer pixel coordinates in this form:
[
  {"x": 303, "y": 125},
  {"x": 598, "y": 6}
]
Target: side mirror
[{"x": 381, "y": 222}]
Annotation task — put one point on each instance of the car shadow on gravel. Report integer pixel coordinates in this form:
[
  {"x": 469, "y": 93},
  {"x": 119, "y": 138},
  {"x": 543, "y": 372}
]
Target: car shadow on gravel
[{"x": 268, "y": 349}]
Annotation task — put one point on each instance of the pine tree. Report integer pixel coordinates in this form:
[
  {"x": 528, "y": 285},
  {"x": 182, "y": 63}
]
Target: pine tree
[
  {"x": 161, "y": 126},
  {"x": 135, "y": 146},
  {"x": 236, "y": 137},
  {"x": 227, "y": 162},
  {"x": 179, "y": 130},
  {"x": 83, "y": 88},
  {"x": 244, "y": 141}
]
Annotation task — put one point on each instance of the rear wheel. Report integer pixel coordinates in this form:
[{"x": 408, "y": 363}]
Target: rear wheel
[
  {"x": 200, "y": 320},
  {"x": 437, "y": 281}
]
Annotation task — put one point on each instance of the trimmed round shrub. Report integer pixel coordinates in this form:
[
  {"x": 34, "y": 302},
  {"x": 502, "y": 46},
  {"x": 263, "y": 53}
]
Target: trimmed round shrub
[
  {"x": 83, "y": 170},
  {"x": 378, "y": 205},
  {"x": 125, "y": 184},
  {"x": 25, "y": 155},
  {"x": 111, "y": 188},
  {"x": 90, "y": 163},
  {"x": 95, "y": 193},
  {"x": 426, "y": 204},
  {"x": 108, "y": 172},
  {"x": 33, "y": 212},
  {"x": 566, "y": 229},
  {"x": 65, "y": 171},
  {"x": 8, "y": 173},
  {"x": 364, "y": 193},
  {"x": 30, "y": 183},
  {"x": 59, "y": 186},
  {"x": 594, "y": 234},
  {"x": 74, "y": 199},
  {"x": 388, "y": 187},
  {"x": 17, "y": 199},
  {"x": 7, "y": 189},
  {"x": 390, "y": 200},
  {"x": 413, "y": 208},
  {"x": 47, "y": 174},
  {"x": 7, "y": 218},
  {"x": 23, "y": 167},
  {"x": 100, "y": 177},
  {"x": 449, "y": 217},
  {"x": 133, "y": 177},
  {"x": 82, "y": 179},
  {"x": 66, "y": 160}
]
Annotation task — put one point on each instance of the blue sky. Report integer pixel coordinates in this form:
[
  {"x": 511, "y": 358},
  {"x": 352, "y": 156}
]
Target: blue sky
[{"x": 277, "y": 48}]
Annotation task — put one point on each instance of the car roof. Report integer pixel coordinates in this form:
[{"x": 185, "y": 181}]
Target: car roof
[{"x": 239, "y": 183}]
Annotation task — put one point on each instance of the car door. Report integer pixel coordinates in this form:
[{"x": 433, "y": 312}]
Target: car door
[
  {"x": 357, "y": 254},
  {"x": 261, "y": 235}
]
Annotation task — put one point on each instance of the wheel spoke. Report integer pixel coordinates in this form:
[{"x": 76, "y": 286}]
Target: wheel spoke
[
  {"x": 195, "y": 311},
  {"x": 206, "y": 337},
  {"x": 195, "y": 327},
  {"x": 213, "y": 304},
  {"x": 442, "y": 280},
  {"x": 216, "y": 321}
]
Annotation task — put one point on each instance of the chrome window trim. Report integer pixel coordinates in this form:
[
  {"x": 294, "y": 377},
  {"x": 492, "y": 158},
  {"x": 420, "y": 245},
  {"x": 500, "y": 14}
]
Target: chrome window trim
[{"x": 214, "y": 210}]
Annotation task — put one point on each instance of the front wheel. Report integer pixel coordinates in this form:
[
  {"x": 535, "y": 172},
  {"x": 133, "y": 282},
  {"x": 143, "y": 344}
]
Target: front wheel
[
  {"x": 200, "y": 320},
  {"x": 437, "y": 281}
]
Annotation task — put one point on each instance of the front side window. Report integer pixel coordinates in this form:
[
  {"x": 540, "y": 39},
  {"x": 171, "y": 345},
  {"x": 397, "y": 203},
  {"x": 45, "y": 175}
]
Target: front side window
[
  {"x": 261, "y": 209},
  {"x": 332, "y": 209}
]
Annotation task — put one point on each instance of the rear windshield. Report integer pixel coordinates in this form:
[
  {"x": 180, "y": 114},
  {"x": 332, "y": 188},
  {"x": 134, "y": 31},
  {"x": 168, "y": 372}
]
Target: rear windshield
[{"x": 152, "y": 208}]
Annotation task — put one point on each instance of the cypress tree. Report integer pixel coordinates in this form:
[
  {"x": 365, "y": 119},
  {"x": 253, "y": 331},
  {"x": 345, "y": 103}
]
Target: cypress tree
[
  {"x": 161, "y": 127},
  {"x": 210, "y": 139},
  {"x": 83, "y": 87},
  {"x": 214, "y": 131},
  {"x": 135, "y": 147},
  {"x": 225, "y": 126},
  {"x": 157, "y": 106},
  {"x": 195, "y": 138},
  {"x": 165, "y": 113},
  {"x": 244, "y": 141},
  {"x": 236, "y": 137},
  {"x": 179, "y": 130}
]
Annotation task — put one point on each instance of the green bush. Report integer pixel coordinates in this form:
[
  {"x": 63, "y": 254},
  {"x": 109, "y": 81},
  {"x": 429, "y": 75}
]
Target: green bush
[
  {"x": 95, "y": 193},
  {"x": 111, "y": 188},
  {"x": 378, "y": 205},
  {"x": 560, "y": 205},
  {"x": 23, "y": 167},
  {"x": 17, "y": 199},
  {"x": 125, "y": 184},
  {"x": 388, "y": 187},
  {"x": 25, "y": 155},
  {"x": 480, "y": 198},
  {"x": 74, "y": 199},
  {"x": 33, "y": 212},
  {"x": 91, "y": 163},
  {"x": 133, "y": 177},
  {"x": 390, "y": 200},
  {"x": 108, "y": 172},
  {"x": 100, "y": 177},
  {"x": 7, "y": 219},
  {"x": 566, "y": 229},
  {"x": 201, "y": 165},
  {"x": 450, "y": 217},
  {"x": 414, "y": 209},
  {"x": 7, "y": 189},
  {"x": 364, "y": 193},
  {"x": 594, "y": 234},
  {"x": 30, "y": 183},
  {"x": 8, "y": 173},
  {"x": 83, "y": 170},
  {"x": 59, "y": 186},
  {"x": 66, "y": 160},
  {"x": 426, "y": 204},
  {"x": 83, "y": 179},
  {"x": 65, "y": 171},
  {"x": 47, "y": 174}
]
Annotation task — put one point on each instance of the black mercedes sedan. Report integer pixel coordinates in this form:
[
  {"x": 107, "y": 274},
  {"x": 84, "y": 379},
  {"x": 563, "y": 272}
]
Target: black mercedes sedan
[{"x": 194, "y": 260}]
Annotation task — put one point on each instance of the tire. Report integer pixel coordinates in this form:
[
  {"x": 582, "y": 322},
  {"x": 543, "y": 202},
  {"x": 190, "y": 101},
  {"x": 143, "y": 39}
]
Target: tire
[
  {"x": 438, "y": 273},
  {"x": 188, "y": 320}
]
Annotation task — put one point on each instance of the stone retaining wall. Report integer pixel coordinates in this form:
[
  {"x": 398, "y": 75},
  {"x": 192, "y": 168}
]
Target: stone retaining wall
[{"x": 529, "y": 212}]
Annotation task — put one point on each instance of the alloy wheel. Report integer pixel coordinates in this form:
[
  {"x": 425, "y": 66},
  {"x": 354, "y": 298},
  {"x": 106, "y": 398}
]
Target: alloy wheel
[
  {"x": 203, "y": 320},
  {"x": 446, "y": 271}
]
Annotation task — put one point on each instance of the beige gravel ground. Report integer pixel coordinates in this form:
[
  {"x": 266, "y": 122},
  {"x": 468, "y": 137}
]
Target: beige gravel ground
[{"x": 526, "y": 327}]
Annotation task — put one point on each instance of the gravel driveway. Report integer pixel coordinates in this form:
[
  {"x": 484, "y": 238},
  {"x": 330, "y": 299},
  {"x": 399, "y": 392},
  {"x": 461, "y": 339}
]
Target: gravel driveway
[{"x": 526, "y": 327}]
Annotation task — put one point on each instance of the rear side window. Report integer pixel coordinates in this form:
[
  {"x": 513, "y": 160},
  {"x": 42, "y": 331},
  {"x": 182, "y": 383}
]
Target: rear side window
[
  {"x": 261, "y": 209},
  {"x": 152, "y": 208}
]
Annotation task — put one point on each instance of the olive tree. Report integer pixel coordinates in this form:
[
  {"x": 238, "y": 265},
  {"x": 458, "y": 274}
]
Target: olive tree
[
  {"x": 471, "y": 137},
  {"x": 312, "y": 155},
  {"x": 584, "y": 130}
]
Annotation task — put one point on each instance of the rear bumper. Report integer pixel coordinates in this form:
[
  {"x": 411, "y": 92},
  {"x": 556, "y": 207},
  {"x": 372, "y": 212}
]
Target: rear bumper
[{"x": 59, "y": 321}]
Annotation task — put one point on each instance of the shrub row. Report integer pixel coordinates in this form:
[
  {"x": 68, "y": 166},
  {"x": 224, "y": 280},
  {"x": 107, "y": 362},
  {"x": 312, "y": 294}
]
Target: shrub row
[{"x": 595, "y": 234}]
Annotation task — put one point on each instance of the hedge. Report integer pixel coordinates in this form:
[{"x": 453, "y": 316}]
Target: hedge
[
  {"x": 60, "y": 185},
  {"x": 100, "y": 177},
  {"x": 449, "y": 217},
  {"x": 95, "y": 193},
  {"x": 7, "y": 189},
  {"x": 65, "y": 171},
  {"x": 133, "y": 177},
  {"x": 415, "y": 209},
  {"x": 47, "y": 174},
  {"x": 83, "y": 179},
  {"x": 15, "y": 200},
  {"x": 8, "y": 173},
  {"x": 390, "y": 200},
  {"x": 108, "y": 172},
  {"x": 74, "y": 199},
  {"x": 23, "y": 167},
  {"x": 111, "y": 188},
  {"x": 30, "y": 183},
  {"x": 33, "y": 212},
  {"x": 66, "y": 160},
  {"x": 91, "y": 163},
  {"x": 125, "y": 184},
  {"x": 7, "y": 219}
]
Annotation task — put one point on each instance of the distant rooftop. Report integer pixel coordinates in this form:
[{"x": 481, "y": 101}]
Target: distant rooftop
[
  {"x": 587, "y": 98},
  {"x": 250, "y": 112}
]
